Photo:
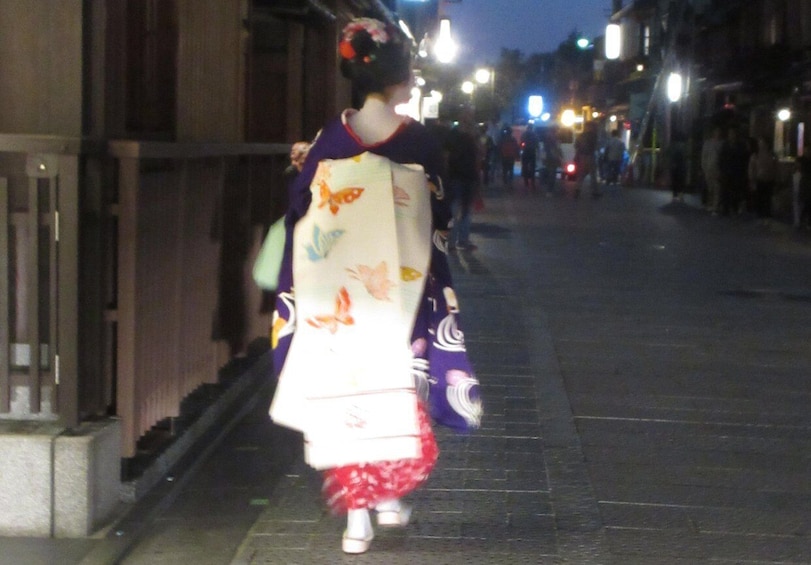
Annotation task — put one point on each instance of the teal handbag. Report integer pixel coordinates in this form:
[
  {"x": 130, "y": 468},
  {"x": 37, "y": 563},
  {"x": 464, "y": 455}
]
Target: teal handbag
[{"x": 269, "y": 261}]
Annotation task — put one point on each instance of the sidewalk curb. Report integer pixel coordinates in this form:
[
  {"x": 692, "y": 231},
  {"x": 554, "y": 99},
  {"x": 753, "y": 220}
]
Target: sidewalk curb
[{"x": 124, "y": 534}]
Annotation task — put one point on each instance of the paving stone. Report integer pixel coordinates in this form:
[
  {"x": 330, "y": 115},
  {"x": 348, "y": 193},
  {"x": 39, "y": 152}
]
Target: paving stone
[{"x": 643, "y": 405}]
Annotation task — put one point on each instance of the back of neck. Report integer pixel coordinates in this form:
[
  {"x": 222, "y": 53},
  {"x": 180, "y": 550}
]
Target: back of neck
[{"x": 376, "y": 121}]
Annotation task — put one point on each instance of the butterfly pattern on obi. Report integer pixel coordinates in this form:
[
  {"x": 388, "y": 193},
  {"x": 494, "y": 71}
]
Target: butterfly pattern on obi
[
  {"x": 336, "y": 199},
  {"x": 408, "y": 274},
  {"x": 322, "y": 243},
  {"x": 356, "y": 417},
  {"x": 401, "y": 197},
  {"x": 343, "y": 304},
  {"x": 376, "y": 280}
]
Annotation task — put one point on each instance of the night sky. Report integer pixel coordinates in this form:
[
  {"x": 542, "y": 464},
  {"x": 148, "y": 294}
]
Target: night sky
[{"x": 483, "y": 27}]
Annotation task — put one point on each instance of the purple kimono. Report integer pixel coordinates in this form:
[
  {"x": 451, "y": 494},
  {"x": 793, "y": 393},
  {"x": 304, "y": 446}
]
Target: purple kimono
[{"x": 441, "y": 368}]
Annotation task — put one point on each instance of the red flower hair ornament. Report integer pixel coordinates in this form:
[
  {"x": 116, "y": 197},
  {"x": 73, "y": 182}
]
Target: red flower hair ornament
[
  {"x": 361, "y": 37},
  {"x": 346, "y": 49}
]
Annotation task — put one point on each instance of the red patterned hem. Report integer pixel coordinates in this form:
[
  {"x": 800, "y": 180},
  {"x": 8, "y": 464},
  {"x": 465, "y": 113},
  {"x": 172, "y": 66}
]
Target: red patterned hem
[{"x": 367, "y": 484}]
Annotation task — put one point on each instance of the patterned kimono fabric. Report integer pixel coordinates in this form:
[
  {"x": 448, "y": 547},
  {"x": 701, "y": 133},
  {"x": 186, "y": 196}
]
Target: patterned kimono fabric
[
  {"x": 352, "y": 392},
  {"x": 351, "y": 487},
  {"x": 363, "y": 485},
  {"x": 440, "y": 371}
]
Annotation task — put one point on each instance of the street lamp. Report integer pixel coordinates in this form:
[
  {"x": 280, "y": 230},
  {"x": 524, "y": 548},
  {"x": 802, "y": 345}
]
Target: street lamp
[
  {"x": 486, "y": 76},
  {"x": 535, "y": 106},
  {"x": 674, "y": 93},
  {"x": 468, "y": 87},
  {"x": 674, "y": 87},
  {"x": 613, "y": 41},
  {"x": 781, "y": 129},
  {"x": 482, "y": 76},
  {"x": 445, "y": 48},
  {"x": 567, "y": 118}
]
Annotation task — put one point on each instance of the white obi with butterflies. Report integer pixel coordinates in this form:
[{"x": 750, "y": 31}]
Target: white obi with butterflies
[{"x": 360, "y": 258}]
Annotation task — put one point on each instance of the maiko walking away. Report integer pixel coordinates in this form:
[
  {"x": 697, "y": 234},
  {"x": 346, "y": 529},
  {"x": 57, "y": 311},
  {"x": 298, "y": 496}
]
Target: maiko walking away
[{"x": 366, "y": 290}]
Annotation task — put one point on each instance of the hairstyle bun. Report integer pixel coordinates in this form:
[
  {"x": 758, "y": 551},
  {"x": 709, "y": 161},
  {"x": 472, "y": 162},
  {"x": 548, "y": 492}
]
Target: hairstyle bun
[{"x": 374, "y": 55}]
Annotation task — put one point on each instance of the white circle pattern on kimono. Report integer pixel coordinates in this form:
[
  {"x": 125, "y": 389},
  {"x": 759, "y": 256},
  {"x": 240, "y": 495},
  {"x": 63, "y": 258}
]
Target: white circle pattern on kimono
[
  {"x": 448, "y": 336},
  {"x": 460, "y": 384}
]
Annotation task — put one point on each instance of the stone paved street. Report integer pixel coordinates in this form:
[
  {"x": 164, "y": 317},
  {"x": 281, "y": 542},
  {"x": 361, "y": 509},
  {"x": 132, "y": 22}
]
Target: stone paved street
[
  {"x": 645, "y": 374},
  {"x": 645, "y": 370}
]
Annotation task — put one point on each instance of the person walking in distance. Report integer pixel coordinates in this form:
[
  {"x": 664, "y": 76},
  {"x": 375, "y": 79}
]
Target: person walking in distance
[
  {"x": 487, "y": 147},
  {"x": 529, "y": 157},
  {"x": 801, "y": 192},
  {"x": 614, "y": 153},
  {"x": 368, "y": 366},
  {"x": 762, "y": 177},
  {"x": 509, "y": 150},
  {"x": 709, "y": 167},
  {"x": 463, "y": 155},
  {"x": 676, "y": 156},
  {"x": 552, "y": 159},
  {"x": 585, "y": 148},
  {"x": 733, "y": 165}
]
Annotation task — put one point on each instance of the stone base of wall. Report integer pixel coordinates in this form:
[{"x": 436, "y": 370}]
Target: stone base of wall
[
  {"x": 56, "y": 482},
  {"x": 87, "y": 478}
]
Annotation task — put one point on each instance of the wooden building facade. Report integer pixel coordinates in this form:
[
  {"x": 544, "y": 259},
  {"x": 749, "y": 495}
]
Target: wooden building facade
[{"x": 142, "y": 149}]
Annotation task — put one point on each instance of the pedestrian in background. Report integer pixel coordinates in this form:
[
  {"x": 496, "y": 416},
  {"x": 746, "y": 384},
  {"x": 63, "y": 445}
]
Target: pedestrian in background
[
  {"x": 487, "y": 148},
  {"x": 614, "y": 154},
  {"x": 509, "y": 150},
  {"x": 495, "y": 158},
  {"x": 552, "y": 159},
  {"x": 801, "y": 192},
  {"x": 376, "y": 58},
  {"x": 762, "y": 177},
  {"x": 585, "y": 160},
  {"x": 733, "y": 166},
  {"x": 529, "y": 156},
  {"x": 710, "y": 151},
  {"x": 463, "y": 157},
  {"x": 676, "y": 156}
]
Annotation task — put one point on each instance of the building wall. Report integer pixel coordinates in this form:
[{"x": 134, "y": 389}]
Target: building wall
[
  {"x": 211, "y": 70},
  {"x": 41, "y": 67},
  {"x": 796, "y": 20}
]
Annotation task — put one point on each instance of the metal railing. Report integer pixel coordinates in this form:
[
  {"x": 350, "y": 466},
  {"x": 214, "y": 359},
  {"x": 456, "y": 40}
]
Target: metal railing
[
  {"x": 184, "y": 300},
  {"x": 39, "y": 272},
  {"x": 125, "y": 274}
]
